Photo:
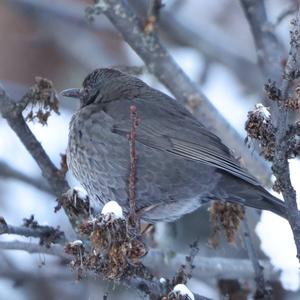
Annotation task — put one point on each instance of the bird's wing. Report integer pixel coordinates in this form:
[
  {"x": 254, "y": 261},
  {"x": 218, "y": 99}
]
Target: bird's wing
[{"x": 176, "y": 131}]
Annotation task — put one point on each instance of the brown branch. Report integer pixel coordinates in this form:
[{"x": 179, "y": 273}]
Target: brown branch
[{"x": 133, "y": 160}]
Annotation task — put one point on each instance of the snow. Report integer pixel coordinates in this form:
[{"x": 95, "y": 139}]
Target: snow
[
  {"x": 112, "y": 207},
  {"x": 162, "y": 280},
  {"x": 182, "y": 290},
  {"x": 264, "y": 111},
  {"x": 77, "y": 243},
  {"x": 81, "y": 193}
]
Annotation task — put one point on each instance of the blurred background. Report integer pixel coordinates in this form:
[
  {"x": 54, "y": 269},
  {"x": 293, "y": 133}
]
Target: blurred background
[{"x": 212, "y": 42}]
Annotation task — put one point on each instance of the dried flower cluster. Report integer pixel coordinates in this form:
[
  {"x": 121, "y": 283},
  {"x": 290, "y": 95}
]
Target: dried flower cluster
[
  {"x": 114, "y": 251},
  {"x": 259, "y": 127},
  {"x": 225, "y": 217},
  {"x": 43, "y": 96},
  {"x": 259, "y": 124},
  {"x": 77, "y": 205}
]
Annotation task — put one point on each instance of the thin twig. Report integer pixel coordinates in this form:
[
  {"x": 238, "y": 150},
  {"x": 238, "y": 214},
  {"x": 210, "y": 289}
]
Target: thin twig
[
  {"x": 133, "y": 160},
  {"x": 185, "y": 271},
  {"x": 287, "y": 12}
]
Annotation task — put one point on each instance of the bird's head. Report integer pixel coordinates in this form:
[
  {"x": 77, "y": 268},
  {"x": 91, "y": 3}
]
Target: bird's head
[{"x": 94, "y": 83}]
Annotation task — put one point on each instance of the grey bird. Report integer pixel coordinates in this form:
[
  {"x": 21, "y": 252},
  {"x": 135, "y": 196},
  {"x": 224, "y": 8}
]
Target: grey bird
[{"x": 180, "y": 165}]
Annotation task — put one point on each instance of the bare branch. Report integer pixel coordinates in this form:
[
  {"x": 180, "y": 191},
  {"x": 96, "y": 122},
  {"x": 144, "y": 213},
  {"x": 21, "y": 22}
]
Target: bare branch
[
  {"x": 8, "y": 172},
  {"x": 12, "y": 112},
  {"x": 208, "y": 267},
  {"x": 270, "y": 57},
  {"x": 205, "y": 43},
  {"x": 263, "y": 291},
  {"x": 280, "y": 162},
  {"x": 270, "y": 52},
  {"x": 46, "y": 234},
  {"x": 56, "y": 250}
]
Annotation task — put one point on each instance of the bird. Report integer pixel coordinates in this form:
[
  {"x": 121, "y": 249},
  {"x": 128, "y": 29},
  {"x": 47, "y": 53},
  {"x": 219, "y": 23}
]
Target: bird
[{"x": 180, "y": 164}]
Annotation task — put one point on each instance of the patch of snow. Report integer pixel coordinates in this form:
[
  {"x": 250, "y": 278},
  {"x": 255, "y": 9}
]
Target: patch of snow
[
  {"x": 182, "y": 290},
  {"x": 264, "y": 111},
  {"x": 112, "y": 207}
]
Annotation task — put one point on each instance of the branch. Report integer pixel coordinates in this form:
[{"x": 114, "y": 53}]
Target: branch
[
  {"x": 162, "y": 65},
  {"x": 270, "y": 57},
  {"x": 208, "y": 267},
  {"x": 280, "y": 161},
  {"x": 263, "y": 291},
  {"x": 33, "y": 248},
  {"x": 205, "y": 43},
  {"x": 12, "y": 112},
  {"x": 46, "y": 234},
  {"x": 7, "y": 172},
  {"x": 270, "y": 52},
  {"x": 132, "y": 175}
]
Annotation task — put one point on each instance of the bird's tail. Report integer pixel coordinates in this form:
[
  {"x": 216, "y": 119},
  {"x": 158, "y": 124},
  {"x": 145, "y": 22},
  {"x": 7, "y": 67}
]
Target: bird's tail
[{"x": 242, "y": 192}]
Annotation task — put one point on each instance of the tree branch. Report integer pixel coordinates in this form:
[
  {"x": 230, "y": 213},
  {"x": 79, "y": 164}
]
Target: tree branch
[
  {"x": 12, "y": 112},
  {"x": 205, "y": 43},
  {"x": 46, "y": 234},
  {"x": 208, "y": 267},
  {"x": 7, "y": 172},
  {"x": 270, "y": 52},
  {"x": 34, "y": 248},
  {"x": 270, "y": 56},
  {"x": 280, "y": 161},
  {"x": 263, "y": 291}
]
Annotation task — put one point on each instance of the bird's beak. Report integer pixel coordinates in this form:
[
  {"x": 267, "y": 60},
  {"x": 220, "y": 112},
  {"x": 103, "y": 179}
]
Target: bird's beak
[{"x": 73, "y": 93}]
